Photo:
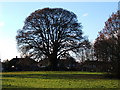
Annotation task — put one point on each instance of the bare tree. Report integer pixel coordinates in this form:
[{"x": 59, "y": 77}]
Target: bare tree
[{"x": 50, "y": 33}]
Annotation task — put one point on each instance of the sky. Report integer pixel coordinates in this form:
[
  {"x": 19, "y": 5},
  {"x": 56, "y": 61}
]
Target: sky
[{"x": 91, "y": 15}]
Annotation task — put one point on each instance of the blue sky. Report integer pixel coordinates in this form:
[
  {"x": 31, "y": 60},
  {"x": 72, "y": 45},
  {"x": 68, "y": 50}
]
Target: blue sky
[{"x": 91, "y": 15}]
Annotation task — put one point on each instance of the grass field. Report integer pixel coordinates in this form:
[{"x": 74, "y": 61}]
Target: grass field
[{"x": 57, "y": 79}]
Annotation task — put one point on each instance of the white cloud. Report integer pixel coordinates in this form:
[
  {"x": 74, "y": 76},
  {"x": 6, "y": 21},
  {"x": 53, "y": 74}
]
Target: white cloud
[
  {"x": 85, "y": 14},
  {"x": 2, "y": 24}
]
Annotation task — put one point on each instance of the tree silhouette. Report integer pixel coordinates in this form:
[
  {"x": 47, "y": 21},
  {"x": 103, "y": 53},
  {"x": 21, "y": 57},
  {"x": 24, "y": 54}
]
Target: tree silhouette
[
  {"x": 50, "y": 33},
  {"x": 107, "y": 45}
]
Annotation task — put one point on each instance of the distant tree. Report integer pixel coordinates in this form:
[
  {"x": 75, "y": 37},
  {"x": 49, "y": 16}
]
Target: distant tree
[
  {"x": 107, "y": 45},
  {"x": 86, "y": 52},
  {"x": 50, "y": 33}
]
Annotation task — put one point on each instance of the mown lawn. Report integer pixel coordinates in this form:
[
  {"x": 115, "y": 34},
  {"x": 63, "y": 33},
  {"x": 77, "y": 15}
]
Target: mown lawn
[{"x": 57, "y": 79}]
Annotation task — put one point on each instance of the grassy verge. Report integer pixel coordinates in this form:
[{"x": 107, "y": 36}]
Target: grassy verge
[{"x": 57, "y": 79}]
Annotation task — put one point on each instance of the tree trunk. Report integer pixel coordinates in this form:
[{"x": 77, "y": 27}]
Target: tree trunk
[
  {"x": 54, "y": 62},
  {"x": 53, "y": 57}
]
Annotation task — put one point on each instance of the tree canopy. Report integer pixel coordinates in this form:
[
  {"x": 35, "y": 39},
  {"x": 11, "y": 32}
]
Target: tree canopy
[
  {"x": 107, "y": 45},
  {"x": 50, "y": 33}
]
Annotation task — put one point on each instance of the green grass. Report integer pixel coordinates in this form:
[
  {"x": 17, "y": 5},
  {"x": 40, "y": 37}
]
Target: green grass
[{"x": 57, "y": 79}]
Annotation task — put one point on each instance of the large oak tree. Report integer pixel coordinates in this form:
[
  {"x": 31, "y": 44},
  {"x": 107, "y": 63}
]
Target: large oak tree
[{"x": 50, "y": 33}]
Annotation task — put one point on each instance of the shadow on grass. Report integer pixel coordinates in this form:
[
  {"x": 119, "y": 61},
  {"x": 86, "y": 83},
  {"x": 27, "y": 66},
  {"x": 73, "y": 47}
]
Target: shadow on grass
[
  {"x": 56, "y": 89},
  {"x": 57, "y": 76}
]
